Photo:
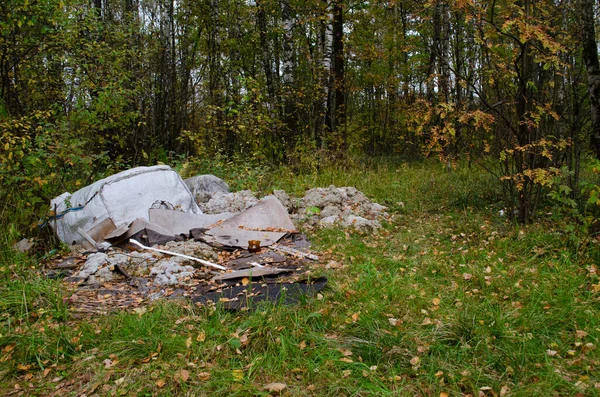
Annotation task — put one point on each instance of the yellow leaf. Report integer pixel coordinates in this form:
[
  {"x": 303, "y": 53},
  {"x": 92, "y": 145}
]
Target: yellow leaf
[
  {"x": 188, "y": 342},
  {"x": 444, "y": 394},
  {"x": 22, "y": 367},
  {"x": 160, "y": 383},
  {"x": 436, "y": 301},
  {"x": 201, "y": 337},
  {"x": 238, "y": 374}
]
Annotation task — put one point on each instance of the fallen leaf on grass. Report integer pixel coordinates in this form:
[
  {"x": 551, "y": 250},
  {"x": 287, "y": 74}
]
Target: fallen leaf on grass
[
  {"x": 444, "y": 394},
  {"x": 588, "y": 347},
  {"x": 436, "y": 301},
  {"x": 201, "y": 337},
  {"x": 551, "y": 353},
  {"x": 160, "y": 383},
  {"x": 275, "y": 387},
  {"x": 467, "y": 276},
  {"x": 302, "y": 345},
  {"x": 188, "y": 342},
  {"x": 140, "y": 310},
  {"x": 238, "y": 374},
  {"x": 415, "y": 360},
  {"x": 204, "y": 376},
  {"x": 182, "y": 375}
]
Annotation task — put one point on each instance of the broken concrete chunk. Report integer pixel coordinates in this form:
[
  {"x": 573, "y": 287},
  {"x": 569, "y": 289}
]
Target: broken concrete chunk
[
  {"x": 196, "y": 249},
  {"x": 361, "y": 224},
  {"x": 205, "y": 187},
  {"x": 231, "y": 202},
  {"x": 104, "y": 274},
  {"x": 329, "y": 221},
  {"x": 329, "y": 211},
  {"x": 93, "y": 263},
  {"x": 322, "y": 197},
  {"x": 170, "y": 272},
  {"x": 285, "y": 199}
]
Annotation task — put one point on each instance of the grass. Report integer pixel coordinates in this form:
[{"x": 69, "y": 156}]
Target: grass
[{"x": 448, "y": 298}]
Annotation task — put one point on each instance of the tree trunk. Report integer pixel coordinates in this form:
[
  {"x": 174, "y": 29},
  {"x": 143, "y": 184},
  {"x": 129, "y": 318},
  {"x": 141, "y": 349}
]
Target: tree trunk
[
  {"x": 338, "y": 112},
  {"x": 590, "y": 57}
]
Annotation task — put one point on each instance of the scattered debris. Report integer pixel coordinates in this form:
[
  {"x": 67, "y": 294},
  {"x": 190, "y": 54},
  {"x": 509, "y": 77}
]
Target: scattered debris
[
  {"x": 231, "y": 202},
  {"x": 157, "y": 236},
  {"x": 24, "y": 245},
  {"x": 207, "y": 263}
]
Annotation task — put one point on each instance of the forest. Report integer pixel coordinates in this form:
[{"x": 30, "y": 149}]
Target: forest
[
  {"x": 90, "y": 88},
  {"x": 471, "y": 127}
]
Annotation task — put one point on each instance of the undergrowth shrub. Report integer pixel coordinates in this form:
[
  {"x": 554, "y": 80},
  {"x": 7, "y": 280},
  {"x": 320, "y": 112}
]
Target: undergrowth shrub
[{"x": 39, "y": 159}]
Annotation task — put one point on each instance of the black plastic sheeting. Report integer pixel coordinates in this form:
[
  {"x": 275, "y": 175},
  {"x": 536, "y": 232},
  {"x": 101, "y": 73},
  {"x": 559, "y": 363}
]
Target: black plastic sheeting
[{"x": 249, "y": 296}]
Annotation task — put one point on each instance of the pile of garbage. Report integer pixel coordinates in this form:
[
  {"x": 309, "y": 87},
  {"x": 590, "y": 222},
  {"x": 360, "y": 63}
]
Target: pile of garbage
[
  {"x": 145, "y": 233},
  {"x": 343, "y": 207}
]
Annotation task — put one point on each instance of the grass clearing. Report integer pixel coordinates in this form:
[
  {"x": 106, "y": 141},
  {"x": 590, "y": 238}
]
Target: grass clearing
[{"x": 447, "y": 298}]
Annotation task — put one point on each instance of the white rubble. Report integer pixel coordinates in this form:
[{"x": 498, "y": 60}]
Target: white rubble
[
  {"x": 231, "y": 202},
  {"x": 171, "y": 271},
  {"x": 93, "y": 263},
  {"x": 344, "y": 207},
  {"x": 193, "y": 248}
]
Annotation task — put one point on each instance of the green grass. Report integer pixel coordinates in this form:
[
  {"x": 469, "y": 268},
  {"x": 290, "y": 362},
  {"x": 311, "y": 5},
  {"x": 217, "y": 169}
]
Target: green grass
[{"x": 448, "y": 298}]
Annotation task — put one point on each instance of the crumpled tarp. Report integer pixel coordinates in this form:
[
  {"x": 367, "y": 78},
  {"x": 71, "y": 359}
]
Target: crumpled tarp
[{"x": 119, "y": 199}]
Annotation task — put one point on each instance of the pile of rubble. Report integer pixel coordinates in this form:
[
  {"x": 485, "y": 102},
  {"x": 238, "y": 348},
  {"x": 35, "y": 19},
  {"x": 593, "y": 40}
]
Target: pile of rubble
[
  {"x": 148, "y": 234},
  {"x": 344, "y": 207}
]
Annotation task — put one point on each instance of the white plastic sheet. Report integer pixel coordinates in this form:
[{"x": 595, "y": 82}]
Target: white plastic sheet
[{"x": 122, "y": 197}]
